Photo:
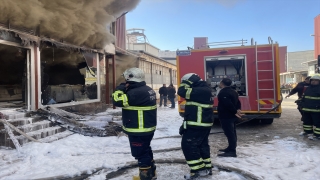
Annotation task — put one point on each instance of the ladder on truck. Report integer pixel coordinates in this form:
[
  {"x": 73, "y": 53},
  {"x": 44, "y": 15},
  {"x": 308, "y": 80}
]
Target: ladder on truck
[{"x": 260, "y": 63}]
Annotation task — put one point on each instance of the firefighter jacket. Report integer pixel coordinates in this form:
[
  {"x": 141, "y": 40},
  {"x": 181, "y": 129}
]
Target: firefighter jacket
[
  {"x": 311, "y": 99},
  {"x": 228, "y": 103},
  {"x": 198, "y": 107},
  {"x": 300, "y": 88},
  {"x": 139, "y": 110}
]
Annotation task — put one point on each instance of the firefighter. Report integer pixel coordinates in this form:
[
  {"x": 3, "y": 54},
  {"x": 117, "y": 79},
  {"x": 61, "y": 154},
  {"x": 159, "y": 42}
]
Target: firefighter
[
  {"x": 196, "y": 125},
  {"x": 311, "y": 108},
  {"x": 300, "y": 88},
  {"x": 139, "y": 118}
]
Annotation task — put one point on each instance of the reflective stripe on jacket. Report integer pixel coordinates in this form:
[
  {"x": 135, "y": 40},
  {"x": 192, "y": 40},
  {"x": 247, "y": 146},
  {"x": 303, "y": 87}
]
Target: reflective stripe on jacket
[
  {"x": 139, "y": 110},
  {"x": 311, "y": 99},
  {"x": 198, "y": 107}
]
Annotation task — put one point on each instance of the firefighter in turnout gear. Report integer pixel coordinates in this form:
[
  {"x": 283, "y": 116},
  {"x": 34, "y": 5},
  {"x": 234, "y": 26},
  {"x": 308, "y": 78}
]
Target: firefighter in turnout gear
[
  {"x": 196, "y": 125},
  {"x": 311, "y": 108},
  {"x": 300, "y": 88},
  {"x": 139, "y": 118}
]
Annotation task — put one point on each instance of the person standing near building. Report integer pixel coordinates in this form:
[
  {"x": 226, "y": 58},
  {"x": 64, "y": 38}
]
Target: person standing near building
[
  {"x": 172, "y": 95},
  {"x": 300, "y": 88},
  {"x": 311, "y": 108},
  {"x": 198, "y": 120},
  {"x": 139, "y": 118},
  {"x": 163, "y": 91},
  {"x": 229, "y": 111}
]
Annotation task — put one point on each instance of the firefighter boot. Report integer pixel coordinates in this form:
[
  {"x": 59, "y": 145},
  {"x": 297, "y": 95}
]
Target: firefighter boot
[
  {"x": 154, "y": 168},
  {"x": 197, "y": 174},
  {"x": 145, "y": 173}
]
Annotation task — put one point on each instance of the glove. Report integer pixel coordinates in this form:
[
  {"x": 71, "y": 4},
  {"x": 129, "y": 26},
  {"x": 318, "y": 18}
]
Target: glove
[
  {"x": 194, "y": 78},
  {"x": 121, "y": 87},
  {"x": 181, "y": 130}
]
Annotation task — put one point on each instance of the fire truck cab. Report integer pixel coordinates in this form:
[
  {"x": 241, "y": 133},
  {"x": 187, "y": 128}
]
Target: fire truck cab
[{"x": 253, "y": 69}]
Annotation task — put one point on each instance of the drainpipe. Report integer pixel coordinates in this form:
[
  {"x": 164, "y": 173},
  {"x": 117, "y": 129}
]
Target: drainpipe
[
  {"x": 170, "y": 71},
  {"x": 107, "y": 80},
  {"x": 36, "y": 98},
  {"x": 151, "y": 75},
  {"x": 114, "y": 75}
]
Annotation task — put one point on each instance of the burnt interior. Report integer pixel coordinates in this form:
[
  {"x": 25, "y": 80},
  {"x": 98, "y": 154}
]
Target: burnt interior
[
  {"x": 13, "y": 76},
  {"x": 67, "y": 76}
]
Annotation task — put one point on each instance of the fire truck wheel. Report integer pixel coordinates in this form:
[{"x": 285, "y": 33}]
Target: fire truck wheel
[{"x": 267, "y": 121}]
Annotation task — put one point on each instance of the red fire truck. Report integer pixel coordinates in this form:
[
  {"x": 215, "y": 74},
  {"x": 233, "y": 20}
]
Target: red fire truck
[{"x": 253, "y": 69}]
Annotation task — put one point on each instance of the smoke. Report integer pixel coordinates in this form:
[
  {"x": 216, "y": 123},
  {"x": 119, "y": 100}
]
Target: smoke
[{"x": 80, "y": 22}]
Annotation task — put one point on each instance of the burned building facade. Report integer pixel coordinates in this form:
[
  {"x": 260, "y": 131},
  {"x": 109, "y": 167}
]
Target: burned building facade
[{"x": 36, "y": 72}]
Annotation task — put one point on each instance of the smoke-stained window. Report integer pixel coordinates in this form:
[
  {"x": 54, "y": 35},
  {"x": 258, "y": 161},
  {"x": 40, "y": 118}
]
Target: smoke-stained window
[
  {"x": 67, "y": 76},
  {"x": 13, "y": 76}
]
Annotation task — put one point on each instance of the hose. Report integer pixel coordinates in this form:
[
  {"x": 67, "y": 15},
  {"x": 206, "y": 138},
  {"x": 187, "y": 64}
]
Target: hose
[{"x": 121, "y": 170}]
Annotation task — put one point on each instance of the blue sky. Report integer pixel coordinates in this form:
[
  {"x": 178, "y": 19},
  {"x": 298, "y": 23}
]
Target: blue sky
[{"x": 172, "y": 24}]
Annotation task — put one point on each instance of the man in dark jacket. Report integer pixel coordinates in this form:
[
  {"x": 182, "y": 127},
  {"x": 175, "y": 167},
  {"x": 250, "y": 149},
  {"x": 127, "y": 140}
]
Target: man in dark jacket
[
  {"x": 311, "y": 108},
  {"x": 139, "y": 118},
  {"x": 196, "y": 125},
  {"x": 172, "y": 95},
  {"x": 300, "y": 88},
  {"x": 228, "y": 112},
  {"x": 163, "y": 91}
]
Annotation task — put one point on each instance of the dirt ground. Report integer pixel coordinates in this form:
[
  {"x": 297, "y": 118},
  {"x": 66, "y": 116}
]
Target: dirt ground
[{"x": 288, "y": 125}]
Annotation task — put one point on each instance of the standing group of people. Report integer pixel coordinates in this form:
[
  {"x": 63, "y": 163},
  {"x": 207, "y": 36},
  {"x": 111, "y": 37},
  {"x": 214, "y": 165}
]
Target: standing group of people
[
  {"x": 309, "y": 105},
  {"x": 139, "y": 118},
  {"x": 167, "y": 93}
]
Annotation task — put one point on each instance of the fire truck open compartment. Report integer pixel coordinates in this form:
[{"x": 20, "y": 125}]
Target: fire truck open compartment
[
  {"x": 67, "y": 76},
  {"x": 232, "y": 67},
  {"x": 13, "y": 77}
]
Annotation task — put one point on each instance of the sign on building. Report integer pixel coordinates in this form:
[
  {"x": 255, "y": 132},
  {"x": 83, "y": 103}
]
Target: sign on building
[{"x": 184, "y": 53}]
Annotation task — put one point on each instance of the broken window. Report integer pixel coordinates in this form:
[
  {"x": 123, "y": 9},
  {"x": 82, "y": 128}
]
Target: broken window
[
  {"x": 67, "y": 76},
  {"x": 13, "y": 76}
]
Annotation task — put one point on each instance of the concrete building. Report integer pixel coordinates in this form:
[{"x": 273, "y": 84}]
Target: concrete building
[
  {"x": 297, "y": 70},
  {"x": 158, "y": 70},
  {"x": 312, "y": 66},
  {"x": 169, "y": 56}
]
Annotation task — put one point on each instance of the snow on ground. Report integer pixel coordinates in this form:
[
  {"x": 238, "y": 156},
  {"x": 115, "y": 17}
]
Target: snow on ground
[
  {"x": 176, "y": 171},
  {"x": 284, "y": 159}
]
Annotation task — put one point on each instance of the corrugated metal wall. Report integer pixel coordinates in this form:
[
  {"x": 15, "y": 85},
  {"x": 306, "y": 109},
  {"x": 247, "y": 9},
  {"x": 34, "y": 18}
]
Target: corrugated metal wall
[
  {"x": 316, "y": 36},
  {"x": 295, "y": 59},
  {"x": 121, "y": 32}
]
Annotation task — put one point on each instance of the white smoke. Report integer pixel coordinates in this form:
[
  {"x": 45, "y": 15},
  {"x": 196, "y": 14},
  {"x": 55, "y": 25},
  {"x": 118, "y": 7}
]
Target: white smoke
[{"x": 80, "y": 22}]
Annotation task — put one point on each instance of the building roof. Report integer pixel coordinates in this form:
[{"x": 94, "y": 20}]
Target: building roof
[
  {"x": 294, "y": 72},
  {"x": 309, "y": 61},
  {"x": 137, "y": 52}
]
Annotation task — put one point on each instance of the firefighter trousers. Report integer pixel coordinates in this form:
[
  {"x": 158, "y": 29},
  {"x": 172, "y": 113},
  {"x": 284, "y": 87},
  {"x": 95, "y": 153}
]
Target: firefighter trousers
[
  {"x": 229, "y": 129},
  {"x": 311, "y": 119},
  {"x": 141, "y": 149},
  {"x": 196, "y": 149},
  {"x": 301, "y": 112}
]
